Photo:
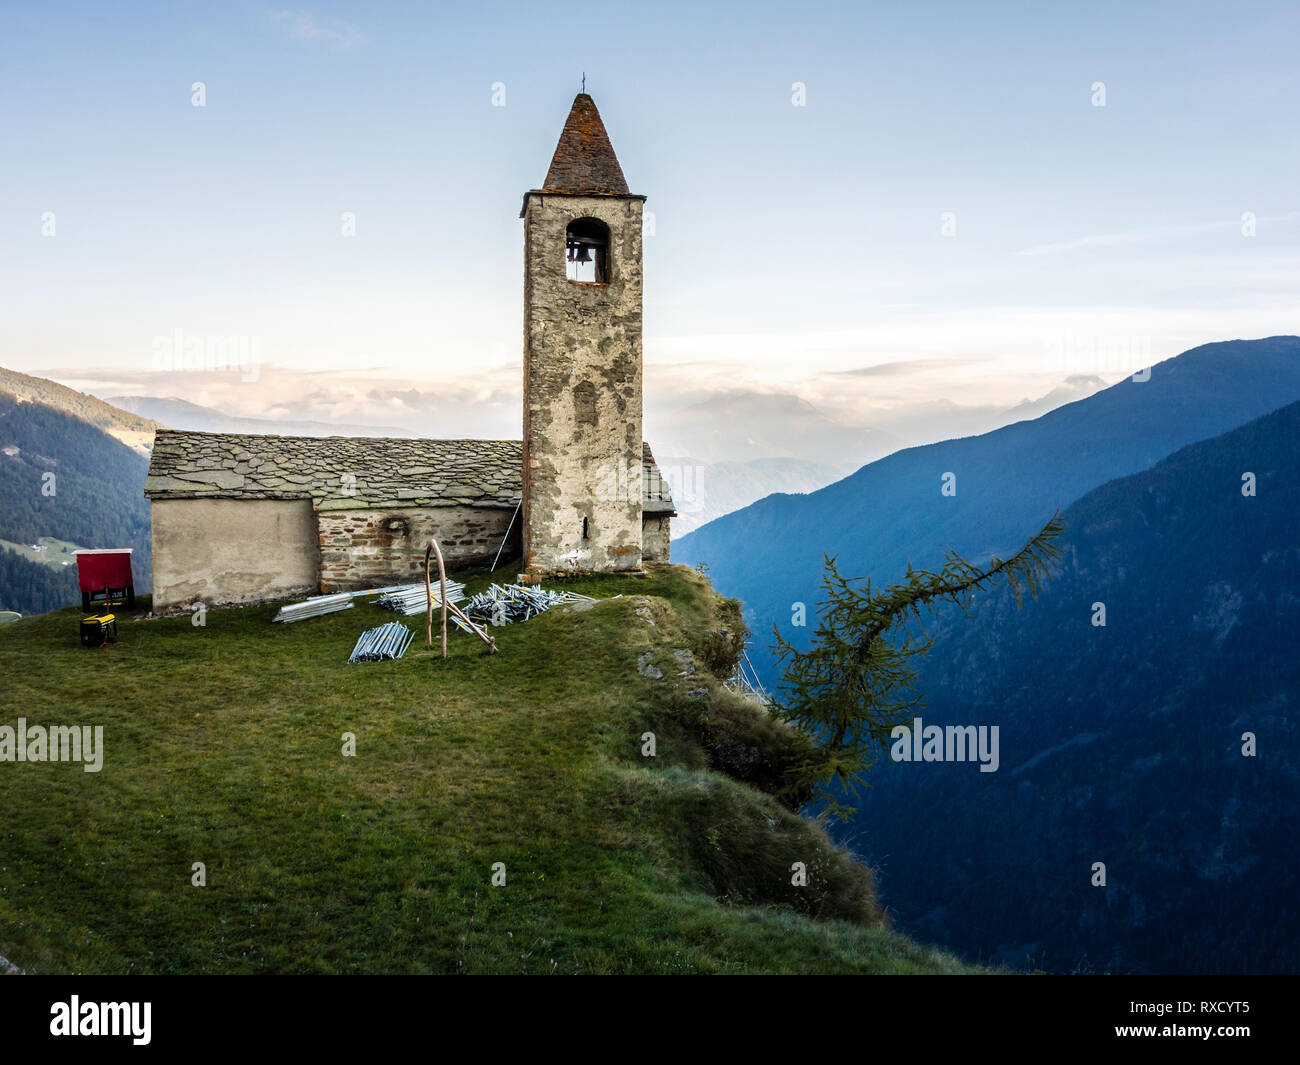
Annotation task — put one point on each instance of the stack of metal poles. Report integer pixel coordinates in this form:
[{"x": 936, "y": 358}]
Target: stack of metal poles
[
  {"x": 413, "y": 599},
  {"x": 384, "y": 643},
  {"x": 311, "y": 608},
  {"x": 503, "y": 604}
]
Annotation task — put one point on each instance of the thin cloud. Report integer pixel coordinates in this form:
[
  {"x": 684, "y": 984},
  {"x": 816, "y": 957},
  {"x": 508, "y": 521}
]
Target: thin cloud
[
  {"x": 1140, "y": 236},
  {"x": 906, "y": 366},
  {"x": 304, "y": 26}
]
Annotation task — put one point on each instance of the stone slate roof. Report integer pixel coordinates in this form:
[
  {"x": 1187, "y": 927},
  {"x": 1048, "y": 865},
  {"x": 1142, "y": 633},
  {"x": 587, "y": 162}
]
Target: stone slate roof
[
  {"x": 656, "y": 495},
  {"x": 584, "y": 163},
  {"x": 349, "y": 473}
]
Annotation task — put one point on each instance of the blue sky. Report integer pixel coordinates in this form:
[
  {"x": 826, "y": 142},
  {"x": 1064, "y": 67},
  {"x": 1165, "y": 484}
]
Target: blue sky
[{"x": 791, "y": 245}]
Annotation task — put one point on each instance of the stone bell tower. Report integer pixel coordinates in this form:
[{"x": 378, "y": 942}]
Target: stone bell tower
[{"x": 582, "y": 359}]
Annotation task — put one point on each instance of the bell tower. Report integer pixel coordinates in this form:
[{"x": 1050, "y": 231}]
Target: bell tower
[{"x": 582, "y": 503}]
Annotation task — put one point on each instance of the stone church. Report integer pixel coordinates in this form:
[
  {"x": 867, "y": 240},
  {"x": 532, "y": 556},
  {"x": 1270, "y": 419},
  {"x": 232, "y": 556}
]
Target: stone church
[{"x": 240, "y": 518}]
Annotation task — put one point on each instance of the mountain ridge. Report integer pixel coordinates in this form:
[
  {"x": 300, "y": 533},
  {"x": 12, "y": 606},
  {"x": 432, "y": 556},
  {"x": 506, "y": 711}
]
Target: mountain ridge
[
  {"x": 124, "y": 426},
  {"x": 1007, "y": 482},
  {"x": 1121, "y": 743}
]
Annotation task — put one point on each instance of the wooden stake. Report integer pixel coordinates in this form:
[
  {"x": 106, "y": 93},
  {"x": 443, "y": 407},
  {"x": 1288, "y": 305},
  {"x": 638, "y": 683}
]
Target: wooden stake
[
  {"x": 480, "y": 633},
  {"x": 428, "y": 594}
]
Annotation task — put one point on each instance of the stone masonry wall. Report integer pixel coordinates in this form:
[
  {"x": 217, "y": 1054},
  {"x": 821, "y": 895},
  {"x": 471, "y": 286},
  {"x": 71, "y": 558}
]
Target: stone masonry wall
[
  {"x": 655, "y": 539},
  {"x": 372, "y": 548},
  {"x": 582, "y": 342}
]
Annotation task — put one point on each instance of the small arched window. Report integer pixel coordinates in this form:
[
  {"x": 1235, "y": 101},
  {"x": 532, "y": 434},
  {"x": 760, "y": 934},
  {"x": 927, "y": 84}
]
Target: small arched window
[{"x": 586, "y": 245}]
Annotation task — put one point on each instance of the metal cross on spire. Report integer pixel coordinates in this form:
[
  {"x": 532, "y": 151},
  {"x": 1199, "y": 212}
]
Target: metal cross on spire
[{"x": 584, "y": 81}]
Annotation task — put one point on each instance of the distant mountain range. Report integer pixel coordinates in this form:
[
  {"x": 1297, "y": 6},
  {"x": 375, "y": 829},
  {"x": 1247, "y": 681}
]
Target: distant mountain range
[
  {"x": 744, "y": 426},
  {"x": 181, "y": 414},
  {"x": 1072, "y": 389},
  {"x": 741, "y": 426},
  {"x": 1006, "y": 482},
  {"x": 797, "y": 448},
  {"x": 703, "y": 491},
  {"x": 1122, "y": 743},
  {"x": 122, "y": 425}
]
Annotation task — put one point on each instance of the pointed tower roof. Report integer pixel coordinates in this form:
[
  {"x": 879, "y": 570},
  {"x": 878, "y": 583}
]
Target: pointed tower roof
[{"x": 584, "y": 163}]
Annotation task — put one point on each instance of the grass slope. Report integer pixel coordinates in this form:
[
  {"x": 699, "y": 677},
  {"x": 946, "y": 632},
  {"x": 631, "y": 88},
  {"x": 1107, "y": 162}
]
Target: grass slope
[{"x": 223, "y": 745}]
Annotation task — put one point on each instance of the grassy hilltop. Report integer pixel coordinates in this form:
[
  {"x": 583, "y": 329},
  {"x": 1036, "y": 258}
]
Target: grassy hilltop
[{"x": 223, "y": 746}]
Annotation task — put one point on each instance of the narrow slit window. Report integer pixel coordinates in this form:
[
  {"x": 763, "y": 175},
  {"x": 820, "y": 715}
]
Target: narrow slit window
[
  {"x": 584, "y": 403},
  {"x": 586, "y": 244},
  {"x": 585, "y": 533}
]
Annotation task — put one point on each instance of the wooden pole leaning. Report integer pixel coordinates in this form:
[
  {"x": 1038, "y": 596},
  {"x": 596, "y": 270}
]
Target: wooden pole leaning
[{"x": 433, "y": 548}]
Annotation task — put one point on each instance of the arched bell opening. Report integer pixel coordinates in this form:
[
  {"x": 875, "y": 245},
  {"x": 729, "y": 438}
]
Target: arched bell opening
[{"x": 586, "y": 244}]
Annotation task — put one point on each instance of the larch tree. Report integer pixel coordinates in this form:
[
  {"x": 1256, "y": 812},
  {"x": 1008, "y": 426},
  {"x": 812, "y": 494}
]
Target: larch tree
[{"x": 857, "y": 679}]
